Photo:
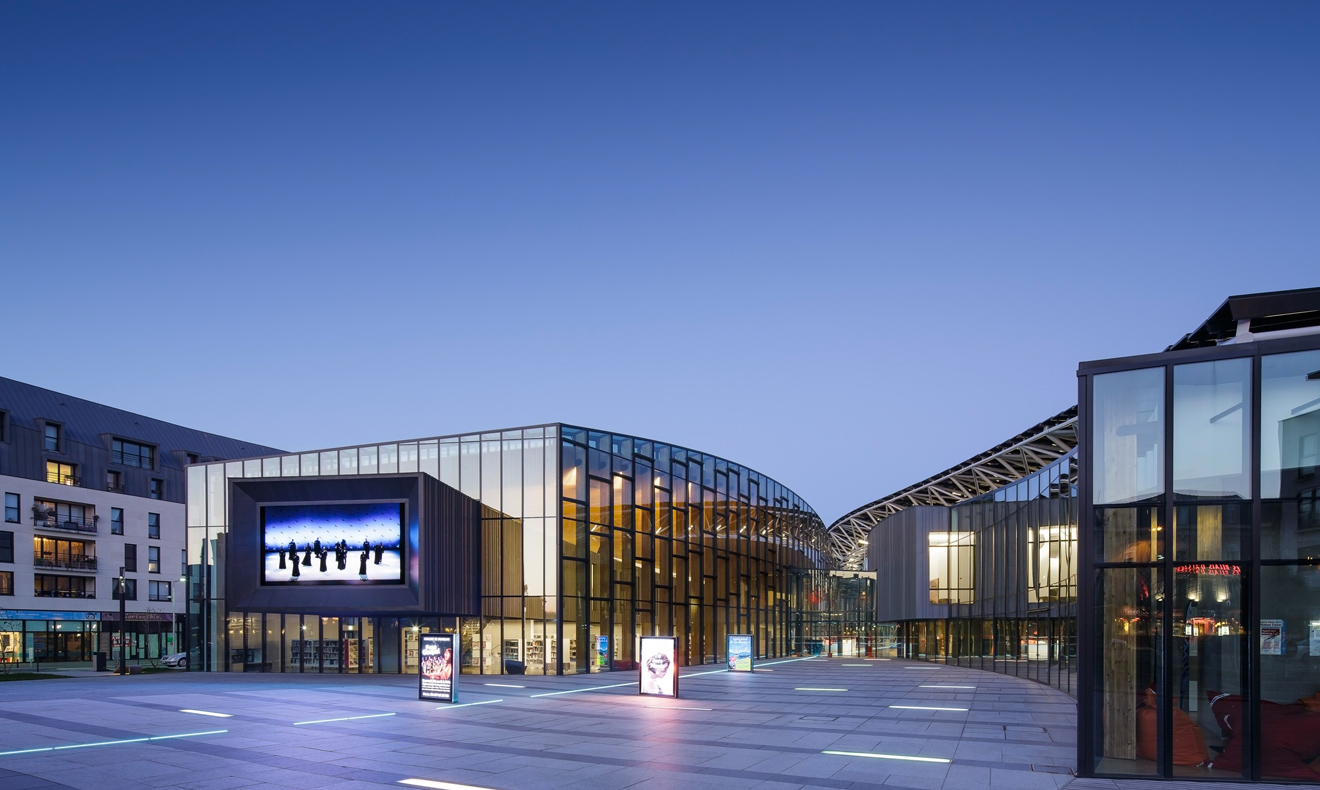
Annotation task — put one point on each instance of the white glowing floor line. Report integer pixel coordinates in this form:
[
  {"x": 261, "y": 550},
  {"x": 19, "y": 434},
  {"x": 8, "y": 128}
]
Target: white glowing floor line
[
  {"x": 504, "y": 685},
  {"x": 113, "y": 743},
  {"x": 811, "y": 688},
  {"x": 676, "y": 707},
  {"x": 343, "y": 718},
  {"x": 890, "y": 756},
  {"x": 924, "y": 707},
  {"x": 207, "y": 713},
  {"x": 593, "y": 688},
  {"x": 947, "y": 687},
  {"x": 468, "y": 704},
  {"x": 434, "y": 785}
]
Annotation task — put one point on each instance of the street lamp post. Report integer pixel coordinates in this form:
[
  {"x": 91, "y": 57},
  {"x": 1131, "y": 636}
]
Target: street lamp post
[{"x": 123, "y": 616}]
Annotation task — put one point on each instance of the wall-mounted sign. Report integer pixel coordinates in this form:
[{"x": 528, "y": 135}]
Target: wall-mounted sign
[
  {"x": 741, "y": 650},
  {"x": 28, "y": 614},
  {"x": 1271, "y": 637},
  {"x": 437, "y": 675},
  {"x": 658, "y": 666}
]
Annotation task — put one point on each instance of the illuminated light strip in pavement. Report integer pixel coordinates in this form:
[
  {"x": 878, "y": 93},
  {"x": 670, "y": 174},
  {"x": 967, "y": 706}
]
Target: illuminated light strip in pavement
[
  {"x": 921, "y": 707},
  {"x": 434, "y": 785},
  {"x": 787, "y": 661},
  {"x": 921, "y": 667},
  {"x": 593, "y": 688},
  {"x": 342, "y": 718},
  {"x": 807, "y": 688},
  {"x": 114, "y": 743},
  {"x": 675, "y": 707},
  {"x": 504, "y": 685},
  {"x": 891, "y": 757},
  {"x": 948, "y": 687},
  {"x": 877, "y": 659},
  {"x": 466, "y": 704},
  {"x": 207, "y": 713},
  {"x": 857, "y": 665}
]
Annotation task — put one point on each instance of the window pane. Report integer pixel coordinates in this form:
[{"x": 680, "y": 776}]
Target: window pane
[
  {"x": 1290, "y": 530},
  {"x": 329, "y": 463},
  {"x": 1128, "y": 436},
  {"x": 389, "y": 459},
  {"x": 1210, "y": 532},
  {"x": 1129, "y": 534},
  {"x": 1211, "y": 429},
  {"x": 367, "y": 460},
  {"x": 311, "y": 465},
  {"x": 1127, "y": 655},
  {"x": 1289, "y": 424},
  {"x": 348, "y": 462},
  {"x": 1208, "y": 637},
  {"x": 1289, "y": 644}
]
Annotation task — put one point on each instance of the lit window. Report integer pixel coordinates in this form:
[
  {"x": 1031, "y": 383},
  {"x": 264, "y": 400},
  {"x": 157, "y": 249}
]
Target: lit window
[
  {"x": 62, "y": 474},
  {"x": 951, "y": 559}
]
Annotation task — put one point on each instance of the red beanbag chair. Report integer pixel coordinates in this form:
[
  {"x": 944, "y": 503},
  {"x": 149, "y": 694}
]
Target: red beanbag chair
[
  {"x": 1188, "y": 742},
  {"x": 1289, "y": 738}
]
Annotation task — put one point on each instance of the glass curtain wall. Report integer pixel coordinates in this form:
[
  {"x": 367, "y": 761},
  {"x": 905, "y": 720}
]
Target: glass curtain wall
[
  {"x": 589, "y": 540},
  {"x": 1205, "y": 614}
]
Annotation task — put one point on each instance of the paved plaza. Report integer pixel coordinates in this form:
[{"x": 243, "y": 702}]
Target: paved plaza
[{"x": 793, "y": 724}]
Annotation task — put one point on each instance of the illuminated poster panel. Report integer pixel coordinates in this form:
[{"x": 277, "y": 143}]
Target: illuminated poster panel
[
  {"x": 741, "y": 650},
  {"x": 437, "y": 678},
  {"x": 325, "y": 543},
  {"x": 603, "y": 652},
  {"x": 658, "y": 666}
]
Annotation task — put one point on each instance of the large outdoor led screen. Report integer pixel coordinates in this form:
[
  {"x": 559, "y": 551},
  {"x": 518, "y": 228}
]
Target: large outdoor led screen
[
  {"x": 350, "y": 543},
  {"x": 740, "y": 652},
  {"x": 658, "y": 666}
]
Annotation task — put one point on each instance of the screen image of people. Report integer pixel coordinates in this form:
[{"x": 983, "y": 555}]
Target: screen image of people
[
  {"x": 352, "y": 543},
  {"x": 659, "y": 666},
  {"x": 437, "y": 667},
  {"x": 740, "y": 652}
]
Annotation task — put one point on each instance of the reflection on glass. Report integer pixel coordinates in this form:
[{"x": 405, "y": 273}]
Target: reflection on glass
[
  {"x": 1289, "y": 425},
  {"x": 1051, "y": 564},
  {"x": 1128, "y": 436},
  {"x": 1210, "y": 532},
  {"x": 1207, "y": 643},
  {"x": 1128, "y": 534},
  {"x": 1290, "y": 530},
  {"x": 348, "y": 462},
  {"x": 1125, "y": 670},
  {"x": 1212, "y": 430},
  {"x": 1289, "y": 645}
]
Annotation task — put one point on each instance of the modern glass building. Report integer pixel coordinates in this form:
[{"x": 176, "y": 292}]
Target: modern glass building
[
  {"x": 988, "y": 583},
  {"x": 1200, "y": 547},
  {"x": 587, "y": 540}
]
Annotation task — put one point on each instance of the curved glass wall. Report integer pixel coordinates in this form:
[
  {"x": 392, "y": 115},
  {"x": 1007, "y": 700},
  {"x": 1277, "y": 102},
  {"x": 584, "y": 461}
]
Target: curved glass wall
[{"x": 589, "y": 540}]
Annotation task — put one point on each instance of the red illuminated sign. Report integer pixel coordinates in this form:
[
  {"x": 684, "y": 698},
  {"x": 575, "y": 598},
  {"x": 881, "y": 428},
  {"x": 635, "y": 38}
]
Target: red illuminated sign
[{"x": 1210, "y": 569}]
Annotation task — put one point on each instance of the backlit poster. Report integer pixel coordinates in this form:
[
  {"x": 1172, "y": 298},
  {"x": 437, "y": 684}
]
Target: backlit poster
[
  {"x": 603, "y": 651},
  {"x": 658, "y": 666},
  {"x": 437, "y": 674},
  {"x": 740, "y": 652},
  {"x": 1271, "y": 637}
]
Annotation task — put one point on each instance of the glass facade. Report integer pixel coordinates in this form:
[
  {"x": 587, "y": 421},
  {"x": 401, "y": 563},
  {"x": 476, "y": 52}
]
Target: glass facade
[
  {"x": 1003, "y": 580},
  {"x": 1202, "y": 585},
  {"x": 589, "y": 540}
]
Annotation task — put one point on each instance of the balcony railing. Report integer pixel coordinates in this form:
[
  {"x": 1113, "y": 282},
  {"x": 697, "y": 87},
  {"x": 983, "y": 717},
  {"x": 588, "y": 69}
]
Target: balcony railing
[
  {"x": 63, "y": 479},
  {"x": 116, "y": 486},
  {"x": 77, "y": 562},
  {"x": 65, "y": 523},
  {"x": 63, "y": 594}
]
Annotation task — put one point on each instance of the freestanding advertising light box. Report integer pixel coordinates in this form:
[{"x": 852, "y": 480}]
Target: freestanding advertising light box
[
  {"x": 658, "y": 667},
  {"x": 741, "y": 652},
  {"x": 437, "y": 677}
]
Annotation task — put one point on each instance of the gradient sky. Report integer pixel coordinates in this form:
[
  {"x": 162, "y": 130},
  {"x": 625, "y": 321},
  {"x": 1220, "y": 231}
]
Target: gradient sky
[{"x": 848, "y": 245}]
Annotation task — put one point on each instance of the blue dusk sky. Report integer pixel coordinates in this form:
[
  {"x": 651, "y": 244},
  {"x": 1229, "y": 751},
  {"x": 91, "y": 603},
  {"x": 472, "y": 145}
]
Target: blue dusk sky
[{"x": 848, "y": 245}]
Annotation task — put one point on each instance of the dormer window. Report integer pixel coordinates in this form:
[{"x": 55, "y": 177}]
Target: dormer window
[
  {"x": 52, "y": 437},
  {"x": 132, "y": 454}
]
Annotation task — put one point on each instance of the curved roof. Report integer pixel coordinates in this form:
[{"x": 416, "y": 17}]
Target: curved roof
[{"x": 1028, "y": 452}]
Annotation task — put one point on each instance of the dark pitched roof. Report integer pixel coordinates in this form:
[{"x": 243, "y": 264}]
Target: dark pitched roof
[
  {"x": 1267, "y": 312},
  {"x": 84, "y": 421}
]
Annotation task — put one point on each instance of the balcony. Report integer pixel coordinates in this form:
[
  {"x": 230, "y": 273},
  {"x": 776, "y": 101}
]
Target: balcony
[
  {"x": 47, "y": 520},
  {"x": 63, "y": 479},
  {"x": 76, "y": 562},
  {"x": 63, "y": 594},
  {"x": 115, "y": 486}
]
